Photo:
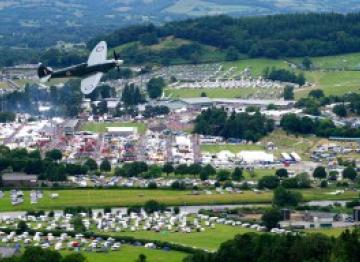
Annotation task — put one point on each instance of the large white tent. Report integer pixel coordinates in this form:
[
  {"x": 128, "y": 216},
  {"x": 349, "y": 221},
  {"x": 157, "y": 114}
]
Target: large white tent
[{"x": 255, "y": 156}]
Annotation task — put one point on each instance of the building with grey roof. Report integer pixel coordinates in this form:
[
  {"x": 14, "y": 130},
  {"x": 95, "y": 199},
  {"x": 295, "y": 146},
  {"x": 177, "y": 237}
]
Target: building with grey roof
[
  {"x": 70, "y": 126},
  {"x": 206, "y": 102},
  {"x": 19, "y": 180}
]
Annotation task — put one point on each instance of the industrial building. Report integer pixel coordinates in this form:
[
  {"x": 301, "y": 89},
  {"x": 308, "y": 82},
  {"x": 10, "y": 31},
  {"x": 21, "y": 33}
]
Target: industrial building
[{"x": 19, "y": 180}]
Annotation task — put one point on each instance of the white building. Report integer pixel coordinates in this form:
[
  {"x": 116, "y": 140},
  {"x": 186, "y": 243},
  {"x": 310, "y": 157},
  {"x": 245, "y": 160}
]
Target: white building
[{"x": 122, "y": 130}]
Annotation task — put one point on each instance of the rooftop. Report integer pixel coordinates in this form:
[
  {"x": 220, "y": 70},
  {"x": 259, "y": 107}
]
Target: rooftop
[
  {"x": 261, "y": 102},
  {"x": 18, "y": 177},
  {"x": 122, "y": 129},
  {"x": 197, "y": 100},
  {"x": 72, "y": 123}
]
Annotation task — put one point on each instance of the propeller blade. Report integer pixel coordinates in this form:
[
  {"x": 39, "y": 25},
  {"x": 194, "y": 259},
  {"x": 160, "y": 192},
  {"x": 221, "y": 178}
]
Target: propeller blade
[{"x": 115, "y": 55}]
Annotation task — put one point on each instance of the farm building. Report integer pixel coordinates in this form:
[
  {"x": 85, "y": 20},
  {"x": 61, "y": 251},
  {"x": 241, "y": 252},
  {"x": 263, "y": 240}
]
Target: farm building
[
  {"x": 19, "y": 180},
  {"x": 71, "y": 126}
]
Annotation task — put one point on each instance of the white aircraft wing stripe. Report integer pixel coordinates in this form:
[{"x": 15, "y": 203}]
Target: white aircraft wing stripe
[
  {"x": 98, "y": 54},
  {"x": 89, "y": 84}
]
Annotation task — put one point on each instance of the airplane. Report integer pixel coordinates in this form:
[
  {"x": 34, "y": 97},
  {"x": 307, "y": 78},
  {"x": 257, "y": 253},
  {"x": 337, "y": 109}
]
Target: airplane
[{"x": 90, "y": 72}]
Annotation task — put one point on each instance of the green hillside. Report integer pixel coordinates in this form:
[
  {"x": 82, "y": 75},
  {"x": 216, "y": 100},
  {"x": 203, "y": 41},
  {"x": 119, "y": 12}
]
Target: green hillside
[
  {"x": 157, "y": 52},
  {"x": 328, "y": 76}
]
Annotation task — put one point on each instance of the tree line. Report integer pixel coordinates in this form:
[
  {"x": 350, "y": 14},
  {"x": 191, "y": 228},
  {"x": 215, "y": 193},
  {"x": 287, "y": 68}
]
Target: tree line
[
  {"x": 345, "y": 104},
  {"x": 287, "y": 35},
  {"x": 255, "y": 247},
  {"x": 284, "y": 75},
  {"x": 48, "y": 167},
  {"x": 7, "y": 117},
  {"x": 53, "y": 57},
  {"x": 216, "y": 122},
  {"x": 320, "y": 127}
]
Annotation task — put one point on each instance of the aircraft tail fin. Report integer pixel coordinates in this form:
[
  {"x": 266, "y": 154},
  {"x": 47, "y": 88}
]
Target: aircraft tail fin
[{"x": 44, "y": 72}]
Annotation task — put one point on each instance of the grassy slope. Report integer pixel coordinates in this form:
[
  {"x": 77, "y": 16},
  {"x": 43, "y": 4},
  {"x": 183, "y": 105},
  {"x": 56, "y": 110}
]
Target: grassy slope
[
  {"x": 289, "y": 143},
  {"x": 333, "y": 83},
  {"x": 256, "y": 65},
  {"x": 212, "y": 93},
  {"x": 203, "y": 7},
  {"x": 331, "y": 232},
  {"x": 346, "y": 61},
  {"x": 210, "y": 53},
  {"x": 118, "y": 198},
  {"x": 210, "y": 239}
]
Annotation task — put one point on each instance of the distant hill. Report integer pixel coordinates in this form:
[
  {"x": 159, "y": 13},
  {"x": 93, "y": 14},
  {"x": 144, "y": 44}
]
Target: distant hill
[
  {"x": 41, "y": 23},
  {"x": 210, "y": 39},
  {"x": 218, "y": 38}
]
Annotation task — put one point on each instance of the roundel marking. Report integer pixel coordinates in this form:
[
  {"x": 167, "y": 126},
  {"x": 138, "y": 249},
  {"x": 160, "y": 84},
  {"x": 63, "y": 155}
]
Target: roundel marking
[{"x": 99, "y": 49}]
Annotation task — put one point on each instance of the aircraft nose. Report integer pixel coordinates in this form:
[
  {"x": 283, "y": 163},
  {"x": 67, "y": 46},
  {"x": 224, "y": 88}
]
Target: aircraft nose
[{"x": 119, "y": 62}]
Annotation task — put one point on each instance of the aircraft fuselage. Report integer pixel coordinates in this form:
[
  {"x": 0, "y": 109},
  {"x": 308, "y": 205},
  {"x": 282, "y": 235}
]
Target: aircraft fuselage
[{"x": 83, "y": 70}]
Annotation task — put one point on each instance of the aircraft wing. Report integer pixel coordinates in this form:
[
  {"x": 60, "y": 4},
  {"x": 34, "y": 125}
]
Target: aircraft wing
[
  {"x": 98, "y": 54},
  {"x": 89, "y": 84}
]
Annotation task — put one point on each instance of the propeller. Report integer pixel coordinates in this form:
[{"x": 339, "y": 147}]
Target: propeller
[
  {"x": 118, "y": 62},
  {"x": 115, "y": 55}
]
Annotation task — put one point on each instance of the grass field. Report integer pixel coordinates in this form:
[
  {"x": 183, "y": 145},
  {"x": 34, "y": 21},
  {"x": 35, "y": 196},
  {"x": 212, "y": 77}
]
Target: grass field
[
  {"x": 331, "y": 232},
  {"x": 333, "y": 83},
  {"x": 290, "y": 143},
  {"x": 97, "y": 127},
  {"x": 258, "y": 173},
  {"x": 210, "y": 239},
  {"x": 130, "y": 254},
  {"x": 257, "y": 65},
  {"x": 169, "y": 42},
  {"x": 342, "y": 62},
  {"x": 164, "y": 43},
  {"x": 234, "y": 148},
  {"x": 209, "y": 54},
  {"x": 211, "y": 92},
  {"x": 201, "y": 8},
  {"x": 126, "y": 197}
]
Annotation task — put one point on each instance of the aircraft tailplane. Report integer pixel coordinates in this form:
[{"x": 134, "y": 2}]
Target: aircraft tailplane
[{"x": 44, "y": 72}]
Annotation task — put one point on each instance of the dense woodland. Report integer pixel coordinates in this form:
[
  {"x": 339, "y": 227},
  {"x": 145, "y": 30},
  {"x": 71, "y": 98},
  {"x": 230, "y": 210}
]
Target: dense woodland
[
  {"x": 254, "y": 247},
  {"x": 291, "y": 35},
  {"x": 284, "y": 75},
  {"x": 254, "y": 126},
  {"x": 48, "y": 166},
  {"x": 246, "y": 126},
  {"x": 320, "y": 127},
  {"x": 52, "y": 56},
  {"x": 347, "y": 104}
]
